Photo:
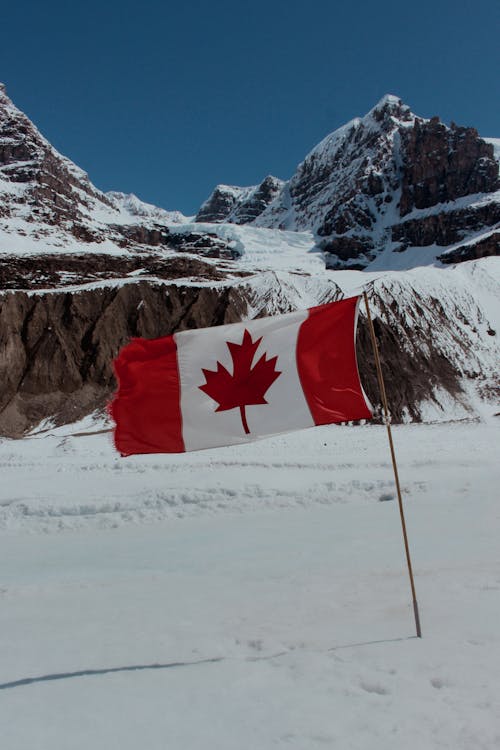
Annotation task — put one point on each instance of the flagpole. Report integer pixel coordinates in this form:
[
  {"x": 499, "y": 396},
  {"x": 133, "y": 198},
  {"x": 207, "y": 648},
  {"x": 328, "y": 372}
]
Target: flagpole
[{"x": 387, "y": 423}]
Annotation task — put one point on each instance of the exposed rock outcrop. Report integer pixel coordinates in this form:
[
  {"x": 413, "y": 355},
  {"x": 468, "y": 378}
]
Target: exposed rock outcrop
[
  {"x": 484, "y": 247},
  {"x": 41, "y": 272},
  {"x": 135, "y": 236},
  {"x": 257, "y": 201},
  {"x": 442, "y": 164},
  {"x": 221, "y": 203},
  {"x": 446, "y": 227}
]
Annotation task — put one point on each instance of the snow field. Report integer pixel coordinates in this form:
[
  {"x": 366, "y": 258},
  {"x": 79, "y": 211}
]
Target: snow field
[{"x": 251, "y": 597}]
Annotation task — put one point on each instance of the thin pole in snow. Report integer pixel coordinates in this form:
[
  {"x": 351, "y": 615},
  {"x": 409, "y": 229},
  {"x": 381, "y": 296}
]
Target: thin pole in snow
[{"x": 387, "y": 422}]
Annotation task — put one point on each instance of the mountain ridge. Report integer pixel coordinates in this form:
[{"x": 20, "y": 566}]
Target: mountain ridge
[
  {"x": 356, "y": 187},
  {"x": 384, "y": 184}
]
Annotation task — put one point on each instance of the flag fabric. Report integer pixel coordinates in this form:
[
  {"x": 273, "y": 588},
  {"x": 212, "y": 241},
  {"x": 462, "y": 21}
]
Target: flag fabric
[{"x": 234, "y": 383}]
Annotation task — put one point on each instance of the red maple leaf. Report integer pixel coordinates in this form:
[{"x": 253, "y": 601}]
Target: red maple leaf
[{"x": 248, "y": 385}]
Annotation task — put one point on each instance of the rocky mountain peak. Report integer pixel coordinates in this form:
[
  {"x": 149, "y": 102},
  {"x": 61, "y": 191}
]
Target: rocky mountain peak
[
  {"x": 359, "y": 188},
  {"x": 237, "y": 205},
  {"x": 37, "y": 184},
  {"x": 391, "y": 106},
  {"x": 220, "y": 204}
]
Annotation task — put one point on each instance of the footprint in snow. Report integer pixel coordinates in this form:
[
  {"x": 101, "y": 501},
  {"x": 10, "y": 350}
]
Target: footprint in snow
[
  {"x": 439, "y": 683},
  {"x": 375, "y": 687}
]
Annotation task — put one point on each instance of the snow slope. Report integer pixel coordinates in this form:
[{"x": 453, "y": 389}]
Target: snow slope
[{"x": 253, "y": 596}]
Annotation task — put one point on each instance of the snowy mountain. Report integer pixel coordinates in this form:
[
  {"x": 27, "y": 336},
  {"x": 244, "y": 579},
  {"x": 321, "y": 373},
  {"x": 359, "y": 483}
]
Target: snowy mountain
[
  {"x": 392, "y": 182},
  {"x": 228, "y": 203},
  {"x": 132, "y": 207},
  {"x": 82, "y": 271},
  {"x": 48, "y": 204}
]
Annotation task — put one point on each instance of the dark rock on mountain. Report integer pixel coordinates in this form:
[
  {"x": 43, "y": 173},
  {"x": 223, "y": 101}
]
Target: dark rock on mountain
[
  {"x": 257, "y": 201},
  {"x": 156, "y": 236},
  {"x": 488, "y": 245},
  {"x": 341, "y": 250},
  {"x": 201, "y": 243},
  {"x": 409, "y": 376},
  {"x": 58, "y": 271},
  {"x": 442, "y": 164},
  {"x": 445, "y": 228}
]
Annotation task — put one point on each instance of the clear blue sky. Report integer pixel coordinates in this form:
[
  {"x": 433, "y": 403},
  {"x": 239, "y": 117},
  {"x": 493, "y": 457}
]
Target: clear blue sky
[{"x": 167, "y": 99}]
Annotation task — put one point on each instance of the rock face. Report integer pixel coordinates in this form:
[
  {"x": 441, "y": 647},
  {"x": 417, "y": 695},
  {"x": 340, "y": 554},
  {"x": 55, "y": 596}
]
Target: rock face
[
  {"x": 446, "y": 228},
  {"x": 488, "y": 244},
  {"x": 387, "y": 181},
  {"x": 219, "y": 206},
  {"x": 442, "y": 164},
  {"x": 56, "y": 350},
  {"x": 257, "y": 201},
  {"x": 48, "y": 272}
]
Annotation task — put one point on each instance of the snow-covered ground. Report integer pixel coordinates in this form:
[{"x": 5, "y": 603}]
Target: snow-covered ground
[{"x": 251, "y": 597}]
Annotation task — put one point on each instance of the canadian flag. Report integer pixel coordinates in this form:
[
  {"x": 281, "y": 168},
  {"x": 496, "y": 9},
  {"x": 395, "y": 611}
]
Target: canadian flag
[{"x": 235, "y": 383}]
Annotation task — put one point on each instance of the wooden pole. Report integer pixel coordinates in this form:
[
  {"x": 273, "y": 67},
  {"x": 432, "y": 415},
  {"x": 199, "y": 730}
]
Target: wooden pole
[{"x": 387, "y": 422}]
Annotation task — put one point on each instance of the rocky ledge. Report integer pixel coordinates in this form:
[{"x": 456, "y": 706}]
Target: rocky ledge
[{"x": 58, "y": 271}]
